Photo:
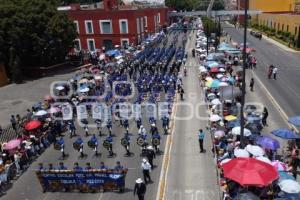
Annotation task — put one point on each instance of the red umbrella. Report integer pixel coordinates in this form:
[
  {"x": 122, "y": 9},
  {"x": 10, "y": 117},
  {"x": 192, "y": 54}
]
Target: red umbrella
[
  {"x": 32, "y": 125},
  {"x": 250, "y": 171},
  {"x": 214, "y": 70}
]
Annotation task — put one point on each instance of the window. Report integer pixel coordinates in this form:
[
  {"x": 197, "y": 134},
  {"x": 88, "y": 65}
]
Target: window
[
  {"x": 282, "y": 28},
  {"x": 125, "y": 43},
  {"x": 146, "y": 21},
  {"x": 142, "y": 24},
  {"x": 91, "y": 44},
  {"x": 278, "y": 26},
  {"x": 106, "y": 27},
  {"x": 158, "y": 18},
  {"x": 123, "y": 25},
  {"x": 138, "y": 25},
  {"x": 296, "y": 30},
  {"x": 77, "y": 45},
  {"x": 287, "y": 28},
  {"x": 274, "y": 25},
  {"x": 89, "y": 27},
  {"x": 77, "y": 26}
]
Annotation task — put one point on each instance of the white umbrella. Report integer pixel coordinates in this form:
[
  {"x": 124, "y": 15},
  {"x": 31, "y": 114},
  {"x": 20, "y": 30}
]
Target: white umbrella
[
  {"x": 84, "y": 89},
  {"x": 264, "y": 159},
  {"x": 60, "y": 87},
  {"x": 223, "y": 84},
  {"x": 219, "y": 76},
  {"x": 241, "y": 153},
  {"x": 41, "y": 113},
  {"x": 289, "y": 186},
  {"x": 255, "y": 150},
  {"x": 222, "y": 70},
  {"x": 237, "y": 131},
  {"x": 226, "y": 160},
  {"x": 215, "y": 118},
  {"x": 216, "y": 102}
]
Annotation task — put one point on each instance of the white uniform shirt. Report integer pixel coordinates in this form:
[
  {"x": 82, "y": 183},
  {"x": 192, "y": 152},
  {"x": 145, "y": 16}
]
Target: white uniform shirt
[{"x": 146, "y": 166}]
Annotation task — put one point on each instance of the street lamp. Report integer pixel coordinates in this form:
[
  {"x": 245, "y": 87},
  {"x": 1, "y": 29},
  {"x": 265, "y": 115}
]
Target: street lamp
[{"x": 244, "y": 74}]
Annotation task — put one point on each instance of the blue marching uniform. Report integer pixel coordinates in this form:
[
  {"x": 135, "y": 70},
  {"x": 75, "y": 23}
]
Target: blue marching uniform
[
  {"x": 94, "y": 140},
  {"x": 79, "y": 141},
  {"x": 61, "y": 142}
]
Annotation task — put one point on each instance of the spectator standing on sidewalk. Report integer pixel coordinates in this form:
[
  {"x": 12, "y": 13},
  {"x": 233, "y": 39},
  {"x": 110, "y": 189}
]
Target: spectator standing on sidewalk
[
  {"x": 270, "y": 72},
  {"x": 201, "y": 136},
  {"x": 275, "y": 71},
  {"x": 13, "y": 123},
  {"x": 265, "y": 116},
  {"x": 251, "y": 84}
]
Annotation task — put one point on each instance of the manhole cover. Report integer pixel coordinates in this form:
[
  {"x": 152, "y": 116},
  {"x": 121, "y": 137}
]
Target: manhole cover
[{"x": 16, "y": 102}]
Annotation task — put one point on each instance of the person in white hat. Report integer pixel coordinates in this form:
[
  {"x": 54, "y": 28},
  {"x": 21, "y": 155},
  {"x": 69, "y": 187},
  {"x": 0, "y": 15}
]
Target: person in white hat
[
  {"x": 139, "y": 189},
  {"x": 146, "y": 167}
]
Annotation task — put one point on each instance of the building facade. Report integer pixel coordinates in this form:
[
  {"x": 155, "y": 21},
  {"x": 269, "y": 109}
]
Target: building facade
[
  {"x": 282, "y": 15},
  {"x": 107, "y": 24}
]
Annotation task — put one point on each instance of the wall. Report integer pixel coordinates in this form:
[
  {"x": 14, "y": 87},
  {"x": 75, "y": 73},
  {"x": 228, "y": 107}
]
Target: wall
[
  {"x": 290, "y": 20},
  {"x": 115, "y": 15},
  {"x": 272, "y": 5}
]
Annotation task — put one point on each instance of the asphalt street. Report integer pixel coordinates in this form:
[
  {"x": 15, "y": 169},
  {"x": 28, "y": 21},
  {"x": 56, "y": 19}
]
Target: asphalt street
[
  {"x": 27, "y": 187},
  {"x": 191, "y": 174},
  {"x": 286, "y": 89}
]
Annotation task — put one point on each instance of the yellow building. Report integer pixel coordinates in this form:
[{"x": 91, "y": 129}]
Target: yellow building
[
  {"x": 274, "y": 5},
  {"x": 283, "y": 15}
]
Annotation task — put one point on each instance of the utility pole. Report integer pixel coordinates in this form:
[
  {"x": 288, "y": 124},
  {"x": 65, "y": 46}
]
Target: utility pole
[{"x": 244, "y": 74}]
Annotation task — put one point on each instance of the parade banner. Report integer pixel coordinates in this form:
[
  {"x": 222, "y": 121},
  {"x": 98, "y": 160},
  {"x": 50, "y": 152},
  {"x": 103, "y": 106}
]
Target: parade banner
[
  {"x": 98, "y": 111},
  {"x": 67, "y": 112},
  {"x": 137, "y": 111},
  {"x": 125, "y": 110},
  {"x": 83, "y": 181},
  {"x": 163, "y": 109},
  {"x": 150, "y": 110},
  {"x": 82, "y": 111}
]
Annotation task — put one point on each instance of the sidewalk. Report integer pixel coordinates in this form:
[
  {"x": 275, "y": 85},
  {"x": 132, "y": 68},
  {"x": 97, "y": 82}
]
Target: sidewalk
[{"x": 191, "y": 175}]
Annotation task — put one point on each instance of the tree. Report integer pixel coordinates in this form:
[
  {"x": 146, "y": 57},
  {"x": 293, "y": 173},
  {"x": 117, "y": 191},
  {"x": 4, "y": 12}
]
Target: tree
[{"x": 37, "y": 32}]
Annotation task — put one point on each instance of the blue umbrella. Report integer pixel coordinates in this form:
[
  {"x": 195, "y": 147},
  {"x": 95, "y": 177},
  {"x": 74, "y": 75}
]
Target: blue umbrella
[
  {"x": 268, "y": 143},
  {"x": 285, "y": 133},
  {"x": 287, "y": 196},
  {"x": 283, "y": 176},
  {"x": 295, "y": 120}
]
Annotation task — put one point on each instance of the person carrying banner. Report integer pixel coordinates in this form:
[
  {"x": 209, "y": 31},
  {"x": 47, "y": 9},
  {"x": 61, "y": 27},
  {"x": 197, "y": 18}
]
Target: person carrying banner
[
  {"x": 118, "y": 167},
  {"x": 62, "y": 166},
  {"x": 88, "y": 166},
  {"x": 77, "y": 168},
  {"x": 50, "y": 166},
  {"x": 102, "y": 166},
  {"x": 139, "y": 189},
  {"x": 41, "y": 167}
]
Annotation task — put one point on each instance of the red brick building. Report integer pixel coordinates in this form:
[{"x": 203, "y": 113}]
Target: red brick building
[{"x": 107, "y": 24}]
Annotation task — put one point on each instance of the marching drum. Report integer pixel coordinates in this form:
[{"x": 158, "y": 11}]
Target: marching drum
[
  {"x": 106, "y": 144},
  {"x": 140, "y": 141},
  {"x": 156, "y": 141}
]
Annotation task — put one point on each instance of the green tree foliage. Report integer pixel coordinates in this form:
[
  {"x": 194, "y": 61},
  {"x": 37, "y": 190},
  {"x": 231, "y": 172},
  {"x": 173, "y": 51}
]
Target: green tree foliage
[
  {"x": 194, "y": 4},
  {"x": 38, "y": 33}
]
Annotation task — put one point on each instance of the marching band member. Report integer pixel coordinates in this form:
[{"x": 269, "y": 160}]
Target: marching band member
[
  {"x": 77, "y": 168},
  {"x": 61, "y": 142},
  {"x": 110, "y": 149},
  {"x": 99, "y": 127},
  {"x": 72, "y": 128},
  {"x": 94, "y": 141},
  {"x": 126, "y": 125},
  {"x": 138, "y": 122},
  {"x": 153, "y": 128},
  {"x": 79, "y": 142},
  {"x": 109, "y": 126},
  {"x": 127, "y": 146},
  {"x": 85, "y": 126},
  {"x": 156, "y": 146},
  {"x": 150, "y": 155},
  {"x": 165, "y": 124}
]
